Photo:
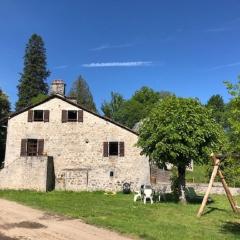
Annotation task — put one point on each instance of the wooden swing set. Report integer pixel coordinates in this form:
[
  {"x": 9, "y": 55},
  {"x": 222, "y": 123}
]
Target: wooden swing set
[{"x": 216, "y": 171}]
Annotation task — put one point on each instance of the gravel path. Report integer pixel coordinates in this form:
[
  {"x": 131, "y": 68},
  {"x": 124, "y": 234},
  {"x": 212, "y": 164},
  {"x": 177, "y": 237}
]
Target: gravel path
[{"x": 18, "y": 222}]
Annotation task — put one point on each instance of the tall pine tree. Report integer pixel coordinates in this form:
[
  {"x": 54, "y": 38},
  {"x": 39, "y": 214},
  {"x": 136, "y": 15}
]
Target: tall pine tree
[
  {"x": 35, "y": 73},
  {"x": 81, "y": 92},
  {"x": 4, "y": 111}
]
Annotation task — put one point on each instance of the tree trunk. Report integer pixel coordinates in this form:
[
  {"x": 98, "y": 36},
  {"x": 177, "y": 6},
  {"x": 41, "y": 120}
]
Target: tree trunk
[{"x": 182, "y": 183}]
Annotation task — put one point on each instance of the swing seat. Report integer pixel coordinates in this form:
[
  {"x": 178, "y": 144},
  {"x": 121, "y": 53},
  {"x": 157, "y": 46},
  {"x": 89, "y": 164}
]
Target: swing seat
[{"x": 192, "y": 196}]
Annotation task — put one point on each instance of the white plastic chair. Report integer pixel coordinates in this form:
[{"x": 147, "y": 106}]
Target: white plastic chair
[
  {"x": 148, "y": 194},
  {"x": 137, "y": 196}
]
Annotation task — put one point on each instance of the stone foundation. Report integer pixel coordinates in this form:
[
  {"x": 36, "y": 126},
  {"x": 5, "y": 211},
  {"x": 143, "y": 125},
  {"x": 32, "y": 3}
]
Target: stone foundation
[{"x": 32, "y": 173}]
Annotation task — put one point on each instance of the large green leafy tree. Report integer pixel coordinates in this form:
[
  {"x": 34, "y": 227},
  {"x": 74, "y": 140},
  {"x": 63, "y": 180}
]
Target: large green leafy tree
[
  {"x": 81, "y": 92},
  {"x": 179, "y": 130},
  {"x": 4, "y": 110},
  {"x": 111, "y": 108},
  {"x": 34, "y": 75}
]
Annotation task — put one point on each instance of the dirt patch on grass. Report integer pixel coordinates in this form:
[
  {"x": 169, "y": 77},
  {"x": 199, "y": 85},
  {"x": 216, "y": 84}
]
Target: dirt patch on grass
[
  {"x": 4, "y": 237},
  {"x": 24, "y": 224},
  {"x": 49, "y": 216}
]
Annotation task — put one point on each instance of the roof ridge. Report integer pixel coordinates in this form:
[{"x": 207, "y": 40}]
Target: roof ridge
[{"x": 72, "y": 103}]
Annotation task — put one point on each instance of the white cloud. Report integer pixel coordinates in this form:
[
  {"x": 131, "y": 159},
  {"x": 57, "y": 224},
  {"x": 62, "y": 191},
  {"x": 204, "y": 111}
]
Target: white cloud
[
  {"x": 118, "y": 64},
  {"x": 226, "y": 65},
  {"x": 107, "y": 46}
]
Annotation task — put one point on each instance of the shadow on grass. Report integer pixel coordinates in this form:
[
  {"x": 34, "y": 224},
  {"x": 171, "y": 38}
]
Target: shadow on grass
[
  {"x": 147, "y": 236},
  {"x": 212, "y": 209},
  {"x": 170, "y": 197},
  {"x": 231, "y": 227},
  {"x": 167, "y": 197}
]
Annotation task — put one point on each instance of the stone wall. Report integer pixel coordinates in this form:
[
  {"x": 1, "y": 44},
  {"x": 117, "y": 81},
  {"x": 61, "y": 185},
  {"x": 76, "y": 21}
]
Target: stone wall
[
  {"x": 216, "y": 189},
  {"x": 77, "y": 149},
  {"x": 159, "y": 176},
  {"x": 200, "y": 188},
  {"x": 25, "y": 173}
]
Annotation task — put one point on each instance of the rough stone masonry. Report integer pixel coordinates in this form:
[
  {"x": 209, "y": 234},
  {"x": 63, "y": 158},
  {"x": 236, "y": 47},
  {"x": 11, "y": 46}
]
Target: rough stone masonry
[{"x": 80, "y": 149}]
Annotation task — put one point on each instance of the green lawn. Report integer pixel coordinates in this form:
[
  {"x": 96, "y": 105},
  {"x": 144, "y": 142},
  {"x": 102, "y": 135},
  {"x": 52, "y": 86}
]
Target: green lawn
[
  {"x": 198, "y": 175},
  {"x": 166, "y": 220}
]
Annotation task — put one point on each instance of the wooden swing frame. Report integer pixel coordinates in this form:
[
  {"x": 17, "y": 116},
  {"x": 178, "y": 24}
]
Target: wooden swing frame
[{"x": 216, "y": 171}]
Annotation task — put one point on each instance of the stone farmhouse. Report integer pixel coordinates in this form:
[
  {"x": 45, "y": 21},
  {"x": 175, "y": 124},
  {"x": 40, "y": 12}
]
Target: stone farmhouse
[{"x": 58, "y": 144}]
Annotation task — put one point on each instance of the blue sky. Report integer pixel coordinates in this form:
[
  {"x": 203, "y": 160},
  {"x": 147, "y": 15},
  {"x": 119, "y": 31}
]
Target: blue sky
[{"x": 188, "y": 47}]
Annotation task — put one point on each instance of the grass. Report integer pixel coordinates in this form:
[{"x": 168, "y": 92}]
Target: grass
[
  {"x": 165, "y": 220},
  {"x": 198, "y": 175}
]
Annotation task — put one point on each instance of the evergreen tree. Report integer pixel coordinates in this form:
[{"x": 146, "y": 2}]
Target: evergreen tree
[
  {"x": 4, "y": 104},
  {"x": 80, "y": 90},
  {"x": 4, "y": 110},
  {"x": 111, "y": 108},
  {"x": 35, "y": 73},
  {"x": 216, "y": 104}
]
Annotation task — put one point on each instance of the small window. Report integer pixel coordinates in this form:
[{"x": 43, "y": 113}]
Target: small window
[
  {"x": 111, "y": 173},
  {"x": 113, "y": 148},
  {"x": 72, "y": 116},
  {"x": 38, "y": 115},
  {"x": 32, "y": 145}
]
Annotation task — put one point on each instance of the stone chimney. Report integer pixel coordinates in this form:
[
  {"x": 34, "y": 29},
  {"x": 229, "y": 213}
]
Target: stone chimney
[{"x": 58, "y": 87}]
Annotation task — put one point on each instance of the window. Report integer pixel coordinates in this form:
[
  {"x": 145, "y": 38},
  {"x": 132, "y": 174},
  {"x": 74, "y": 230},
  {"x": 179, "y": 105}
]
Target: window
[
  {"x": 38, "y": 115},
  {"x": 32, "y": 147},
  {"x": 111, "y": 173},
  {"x": 72, "y": 116},
  {"x": 113, "y": 148}
]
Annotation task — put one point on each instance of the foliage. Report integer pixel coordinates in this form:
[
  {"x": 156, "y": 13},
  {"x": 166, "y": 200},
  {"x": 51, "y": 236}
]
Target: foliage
[
  {"x": 4, "y": 110},
  {"x": 231, "y": 165},
  {"x": 35, "y": 73},
  {"x": 177, "y": 131},
  {"x": 216, "y": 104},
  {"x": 110, "y": 109},
  {"x": 231, "y": 170},
  {"x": 80, "y": 90},
  {"x": 39, "y": 98},
  {"x": 165, "y": 220},
  {"x": 200, "y": 173},
  {"x": 132, "y": 111},
  {"x": 234, "y": 115},
  {"x": 139, "y": 105},
  {"x": 4, "y": 104}
]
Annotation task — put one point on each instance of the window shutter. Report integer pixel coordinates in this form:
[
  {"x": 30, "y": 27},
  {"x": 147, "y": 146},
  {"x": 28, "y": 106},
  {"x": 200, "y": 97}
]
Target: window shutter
[
  {"x": 40, "y": 147},
  {"x": 23, "y": 147},
  {"x": 46, "y": 115},
  {"x": 64, "y": 116},
  {"x": 105, "y": 149},
  {"x": 30, "y": 115},
  {"x": 80, "y": 115},
  {"x": 121, "y": 151}
]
